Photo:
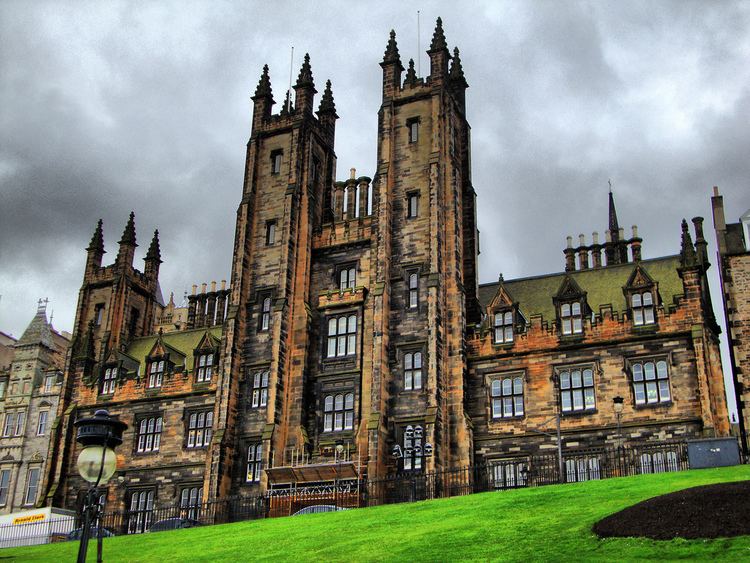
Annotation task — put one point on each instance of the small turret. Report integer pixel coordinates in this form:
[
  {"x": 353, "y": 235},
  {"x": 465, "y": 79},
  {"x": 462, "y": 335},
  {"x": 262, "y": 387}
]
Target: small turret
[
  {"x": 305, "y": 87},
  {"x": 153, "y": 257},
  {"x": 95, "y": 249},
  {"x": 439, "y": 55},
  {"x": 262, "y": 99},
  {"x": 127, "y": 243},
  {"x": 411, "y": 75},
  {"x": 392, "y": 68}
]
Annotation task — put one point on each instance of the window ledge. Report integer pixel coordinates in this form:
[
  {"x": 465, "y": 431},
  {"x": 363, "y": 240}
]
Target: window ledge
[
  {"x": 585, "y": 412},
  {"x": 653, "y": 405},
  {"x": 153, "y": 391},
  {"x": 201, "y": 386},
  {"x": 504, "y": 418},
  {"x": 576, "y": 337},
  {"x": 648, "y": 329},
  {"x": 503, "y": 345}
]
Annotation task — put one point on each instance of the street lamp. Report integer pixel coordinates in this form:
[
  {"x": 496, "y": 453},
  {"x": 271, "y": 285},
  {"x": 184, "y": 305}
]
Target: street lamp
[
  {"x": 99, "y": 435},
  {"x": 618, "y": 403}
]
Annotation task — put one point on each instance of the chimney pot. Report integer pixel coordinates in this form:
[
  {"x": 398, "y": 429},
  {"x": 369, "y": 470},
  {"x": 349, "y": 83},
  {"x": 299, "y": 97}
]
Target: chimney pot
[
  {"x": 195, "y": 289},
  {"x": 570, "y": 242},
  {"x": 635, "y": 231},
  {"x": 716, "y": 191},
  {"x": 607, "y": 236},
  {"x": 595, "y": 237},
  {"x": 213, "y": 286},
  {"x": 352, "y": 173},
  {"x": 582, "y": 239},
  {"x": 203, "y": 288},
  {"x": 223, "y": 284}
]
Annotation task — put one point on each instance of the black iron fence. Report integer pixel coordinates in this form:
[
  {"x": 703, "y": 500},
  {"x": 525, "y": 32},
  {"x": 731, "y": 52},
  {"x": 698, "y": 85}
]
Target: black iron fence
[{"x": 504, "y": 473}]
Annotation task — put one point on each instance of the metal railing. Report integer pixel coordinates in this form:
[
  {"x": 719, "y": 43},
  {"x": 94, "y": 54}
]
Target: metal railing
[{"x": 498, "y": 474}]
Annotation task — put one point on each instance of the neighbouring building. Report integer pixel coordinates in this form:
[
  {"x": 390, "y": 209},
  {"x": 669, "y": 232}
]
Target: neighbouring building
[
  {"x": 354, "y": 330},
  {"x": 29, "y": 396},
  {"x": 734, "y": 272}
]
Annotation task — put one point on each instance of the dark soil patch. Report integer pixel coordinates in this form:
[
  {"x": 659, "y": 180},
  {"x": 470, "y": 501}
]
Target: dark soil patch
[{"x": 711, "y": 511}]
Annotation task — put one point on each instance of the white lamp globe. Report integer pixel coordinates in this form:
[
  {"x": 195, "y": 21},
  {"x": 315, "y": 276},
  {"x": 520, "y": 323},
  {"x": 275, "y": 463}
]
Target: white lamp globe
[{"x": 90, "y": 462}]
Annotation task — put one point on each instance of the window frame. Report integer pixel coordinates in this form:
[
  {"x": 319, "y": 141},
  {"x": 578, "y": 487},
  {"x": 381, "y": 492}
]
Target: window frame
[
  {"x": 199, "y": 425},
  {"x": 571, "y": 388},
  {"x": 5, "y": 485},
  {"x": 642, "y": 314},
  {"x": 157, "y": 368},
  {"x": 346, "y": 276},
  {"x": 205, "y": 361},
  {"x": 412, "y": 204},
  {"x": 41, "y": 423},
  {"x": 413, "y": 462},
  {"x": 259, "y": 389},
  {"x": 640, "y": 380},
  {"x": 412, "y": 289},
  {"x": 506, "y": 326},
  {"x": 37, "y": 471},
  {"x": 508, "y": 473},
  {"x": 567, "y": 314},
  {"x": 264, "y": 313},
  {"x": 192, "y": 502},
  {"x": 254, "y": 463},
  {"x": 412, "y": 130},
  {"x": 411, "y": 371},
  {"x": 347, "y": 337},
  {"x": 277, "y": 159},
  {"x": 49, "y": 382},
  {"x": 501, "y": 396},
  {"x": 140, "y": 517},
  {"x": 141, "y": 443},
  {"x": 109, "y": 382},
  {"x": 338, "y": 416},
  {"x": 270, "y": 236}
]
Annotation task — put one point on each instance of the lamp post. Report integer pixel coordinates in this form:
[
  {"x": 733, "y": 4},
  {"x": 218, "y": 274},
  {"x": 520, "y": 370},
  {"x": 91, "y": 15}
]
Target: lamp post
[
  {"x": 99, "y": 435},
  {"x": 618, "y": 403},
  {"x": 339, "y": 451}
]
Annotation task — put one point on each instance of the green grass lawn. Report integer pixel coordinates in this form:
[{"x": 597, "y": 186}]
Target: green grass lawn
[{"x": 546, "y": 523}]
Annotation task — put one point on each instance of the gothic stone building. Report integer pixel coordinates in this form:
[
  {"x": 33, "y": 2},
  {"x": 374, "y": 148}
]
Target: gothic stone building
[
  {"x": 354, "y": 318},
  {"x": 734, "y": 271},
  {"x": 29, "y": 396}
]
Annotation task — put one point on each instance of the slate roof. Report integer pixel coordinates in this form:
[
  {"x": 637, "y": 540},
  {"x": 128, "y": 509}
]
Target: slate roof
[
  {"x": 182, "y": 342},
  {"x": 38, "y": 331},
  {"x": 603, "y": 286}
]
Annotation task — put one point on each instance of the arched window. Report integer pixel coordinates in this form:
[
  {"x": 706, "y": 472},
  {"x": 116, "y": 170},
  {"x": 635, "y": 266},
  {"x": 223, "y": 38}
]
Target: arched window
[
  {"x": 265, "y": 313},
  {"x": 338, "y": 412}
]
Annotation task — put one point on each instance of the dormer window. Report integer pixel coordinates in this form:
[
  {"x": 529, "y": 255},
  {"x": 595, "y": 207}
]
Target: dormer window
[
  {"x": 155, "y": 374},
  {"x": 642, "y": 307},
  {"x": 205, "y": 367},
  {"x": 503, "y": 326},
  {"x": 571, "y": 319},
  {"x": 109, "y": 380}
]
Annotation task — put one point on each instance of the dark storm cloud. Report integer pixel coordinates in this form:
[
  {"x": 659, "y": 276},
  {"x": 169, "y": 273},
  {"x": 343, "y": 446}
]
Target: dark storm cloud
[{"x": 108, "y": 107}]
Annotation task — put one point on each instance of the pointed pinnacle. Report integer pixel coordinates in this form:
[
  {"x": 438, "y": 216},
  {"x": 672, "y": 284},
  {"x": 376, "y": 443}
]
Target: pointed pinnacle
[
  {"x": 391, "y": 51},
  {"x": 128, "y": 235},
  {"x": 687, "y": 251},
  {"x": 457, "y": 70},
  {"x": 326, "y": 102},
  {"x": 305, "y": 78},
  {"x": 97, "y": 241},
  {"x": 438, "y": 38},
  {"x": 264, "y": 85},
  {"x": 411, "y": 74},
  {"x": 154, "y": 252},
  {"x": 614, "y": 226}
]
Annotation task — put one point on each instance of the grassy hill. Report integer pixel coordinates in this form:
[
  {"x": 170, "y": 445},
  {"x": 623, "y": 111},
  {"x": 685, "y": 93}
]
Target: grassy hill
[{"x": 541, "y": 524}]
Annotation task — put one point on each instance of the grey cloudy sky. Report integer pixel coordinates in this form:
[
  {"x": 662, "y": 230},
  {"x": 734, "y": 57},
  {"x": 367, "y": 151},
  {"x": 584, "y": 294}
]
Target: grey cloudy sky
[{"x": 108, "y": 107}]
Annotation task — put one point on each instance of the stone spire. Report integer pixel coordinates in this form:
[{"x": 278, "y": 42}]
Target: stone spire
[
  {"x": 391, "y": 52},
  {"x": 457, "y": 72},
  {"x": 264, "y": 85},
  {"x": 262, "y": 99},
  {"x": 154, "y": 252},
  {"x": 97, "y": 241},
  {"x": 305, "y": 78},
  {"x": 127, "y": 243},
  {"x": 128, "y": 235},
  {"x": 326, "y": 103},
  {"x": 305, "y": 88},
  {"x": 614, "y": 226},
  {"x": 688, "y": 258},
  {"x": 438, "y": 37},
  {"x": 411, "y": 74}
]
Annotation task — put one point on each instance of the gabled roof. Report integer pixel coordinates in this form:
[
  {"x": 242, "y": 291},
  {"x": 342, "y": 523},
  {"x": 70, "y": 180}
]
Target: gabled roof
[{"x": 603, "y": 286}]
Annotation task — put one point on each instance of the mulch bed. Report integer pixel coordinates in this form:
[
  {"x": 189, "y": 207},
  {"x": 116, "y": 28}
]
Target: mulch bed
[{"x": 711, "y": 511}]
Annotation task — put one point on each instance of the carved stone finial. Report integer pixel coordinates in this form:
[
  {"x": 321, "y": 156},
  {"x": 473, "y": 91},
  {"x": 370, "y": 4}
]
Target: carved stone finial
[
  {"x": 438, "y": 38},
  {"x": 391, "y": 51},
  {"x": 128, "y": 235},
  {"x": 264, "y": 85},
  {"x": 411, "y": 74}
]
